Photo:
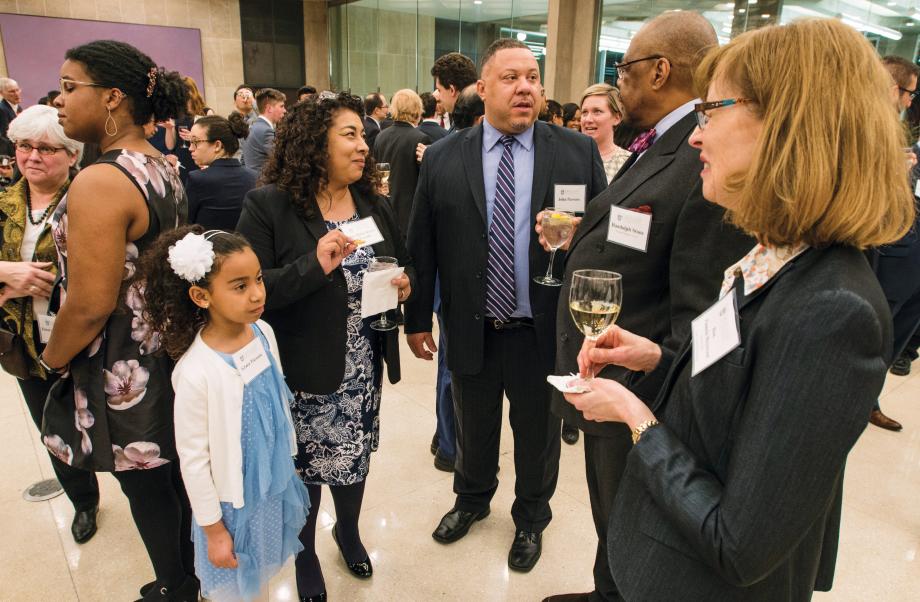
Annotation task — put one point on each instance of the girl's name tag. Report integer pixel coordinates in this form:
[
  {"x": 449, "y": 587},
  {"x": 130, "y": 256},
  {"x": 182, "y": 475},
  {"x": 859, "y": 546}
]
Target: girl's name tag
[{"x": 251, "y": 360}]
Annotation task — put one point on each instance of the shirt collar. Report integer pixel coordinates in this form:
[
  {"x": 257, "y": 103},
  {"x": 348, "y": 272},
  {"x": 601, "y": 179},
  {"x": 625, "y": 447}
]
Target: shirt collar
[
  {"x": 267, "y": 120},
  {"x": 491, "y": 136},
  {"x": 760, "y": 265},
  {"x": 673, "y": 117}
]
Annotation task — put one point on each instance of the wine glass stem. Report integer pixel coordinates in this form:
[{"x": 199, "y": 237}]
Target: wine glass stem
[{"x": 549, "y": 268}]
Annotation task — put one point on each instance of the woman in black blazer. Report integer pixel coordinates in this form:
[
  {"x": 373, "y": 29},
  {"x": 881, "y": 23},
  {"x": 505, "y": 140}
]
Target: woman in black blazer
[
  {"x": 736, "y": 494},
  {"x": 215, "y": 192},
  {"x": 319, "y": 178}
]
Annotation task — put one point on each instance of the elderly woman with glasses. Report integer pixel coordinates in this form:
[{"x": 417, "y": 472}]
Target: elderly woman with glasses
[{"x": 45, "y": 157}]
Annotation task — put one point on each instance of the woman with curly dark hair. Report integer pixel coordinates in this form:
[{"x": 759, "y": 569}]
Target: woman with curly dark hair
[{"x": 318, "y": 179}]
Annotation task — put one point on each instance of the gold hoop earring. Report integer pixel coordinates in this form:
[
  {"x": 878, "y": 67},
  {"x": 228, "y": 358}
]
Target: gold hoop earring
[{"x": 114, "y": 125}]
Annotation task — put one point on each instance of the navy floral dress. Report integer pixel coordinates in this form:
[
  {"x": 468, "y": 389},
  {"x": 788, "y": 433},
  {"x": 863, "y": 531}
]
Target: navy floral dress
[
  {"x": 114, "y": 410},
  {"x": 336, "y": 433}
]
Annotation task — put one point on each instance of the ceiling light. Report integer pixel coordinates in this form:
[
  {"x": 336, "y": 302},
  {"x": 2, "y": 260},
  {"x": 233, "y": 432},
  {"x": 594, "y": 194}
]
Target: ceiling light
[
  {"x": 764, "y": 16},
  {"x": 521, "y": 36},
  {"x": 477, "y": 1},
  {"x": 741, "y": 11},
  {"x": 752, "y": 1}
]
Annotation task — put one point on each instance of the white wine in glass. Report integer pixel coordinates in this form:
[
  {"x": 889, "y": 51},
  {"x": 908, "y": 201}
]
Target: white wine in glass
[
  {"x": 594, "y": 301},
  {"x": 383, "y": 169},
  {"x": 558, "y": 226}
]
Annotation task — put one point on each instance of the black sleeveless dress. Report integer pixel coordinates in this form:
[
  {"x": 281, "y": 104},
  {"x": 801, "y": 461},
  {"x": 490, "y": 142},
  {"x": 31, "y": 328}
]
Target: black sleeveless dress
[{"x": 114, "y": 410}]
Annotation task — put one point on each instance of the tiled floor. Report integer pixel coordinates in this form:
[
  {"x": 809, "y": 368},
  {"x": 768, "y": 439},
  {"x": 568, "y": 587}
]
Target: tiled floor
[{"x": 406, "y": 497}]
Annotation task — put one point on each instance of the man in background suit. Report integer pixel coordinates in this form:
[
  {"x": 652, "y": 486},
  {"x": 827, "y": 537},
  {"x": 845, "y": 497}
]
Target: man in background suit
[
  {"x": 677, "y": 276},
  {"x": 429, "y": 125},
  {"x": 261, "y": 138},
  {"x": 243, "y": 101},
  {"x": 10, "y": 106},
  {"x": 471, "y": 222},
  {"x": 376, "y": 110}
]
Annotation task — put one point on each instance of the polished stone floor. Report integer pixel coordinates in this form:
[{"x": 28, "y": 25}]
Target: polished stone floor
[{"x": 406, "y": 497}]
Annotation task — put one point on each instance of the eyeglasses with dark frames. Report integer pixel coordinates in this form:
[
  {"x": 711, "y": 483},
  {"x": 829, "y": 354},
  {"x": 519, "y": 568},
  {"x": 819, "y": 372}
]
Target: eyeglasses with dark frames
[
  {"x": 702, "y": 117},
  {"x": 193, "y": 142},
  {"x": 913, "y": 93},
  {"x": 45, "y": 151},
  {"x": 622, "y": 67}
]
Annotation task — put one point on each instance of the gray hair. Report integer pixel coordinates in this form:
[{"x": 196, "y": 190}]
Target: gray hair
[
  {"x": 6, "y": 83},
  {"x": 40, "y": 122}
]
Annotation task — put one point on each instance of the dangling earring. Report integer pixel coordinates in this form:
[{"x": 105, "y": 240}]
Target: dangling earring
[{"x": 114, "y": 125}]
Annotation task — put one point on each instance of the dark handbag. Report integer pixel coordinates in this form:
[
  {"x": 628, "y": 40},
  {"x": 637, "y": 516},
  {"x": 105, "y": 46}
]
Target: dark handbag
[{"x": 14, "y": 358}]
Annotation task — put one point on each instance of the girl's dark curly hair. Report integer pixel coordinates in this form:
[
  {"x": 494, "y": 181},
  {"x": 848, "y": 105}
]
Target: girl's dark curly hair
[
  {"x": 119, "y": 65},
  {"x": 168, "y": 309},
  {"x": 297, "y": 164}
]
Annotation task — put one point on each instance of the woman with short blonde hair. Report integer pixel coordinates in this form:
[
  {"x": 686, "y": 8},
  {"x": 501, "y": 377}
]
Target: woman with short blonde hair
[
  {"x": 601, "y": 113},
  {"x": 733, "y": 488},
  {"x": 406, "y": 106}
]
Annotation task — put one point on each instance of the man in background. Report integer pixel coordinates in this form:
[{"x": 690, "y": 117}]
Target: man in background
[
  {"x": 376, "y": 110},
  {"x": 258, "y": 144},
  {"x": 430, "y": 126}
]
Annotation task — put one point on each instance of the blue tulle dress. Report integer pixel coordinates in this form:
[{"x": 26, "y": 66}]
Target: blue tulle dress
[{"x": 275, "y": 501}]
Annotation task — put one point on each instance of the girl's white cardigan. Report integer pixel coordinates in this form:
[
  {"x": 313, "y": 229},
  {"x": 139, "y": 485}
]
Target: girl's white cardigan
[{"x": 208, "y": 412}]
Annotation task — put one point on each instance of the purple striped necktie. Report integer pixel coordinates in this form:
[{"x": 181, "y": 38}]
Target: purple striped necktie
[
  {"x": 500, "y": 297},
  {"x": 643, "y": 141}
]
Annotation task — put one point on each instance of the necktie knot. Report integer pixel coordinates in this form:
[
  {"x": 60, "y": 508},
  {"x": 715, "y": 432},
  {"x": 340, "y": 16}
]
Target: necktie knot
[
  {"x": 643, "y": 141},
  {"x": 507, "y": 141}
]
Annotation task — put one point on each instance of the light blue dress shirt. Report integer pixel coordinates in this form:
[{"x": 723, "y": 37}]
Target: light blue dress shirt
[{"x": 523, "y": 154}]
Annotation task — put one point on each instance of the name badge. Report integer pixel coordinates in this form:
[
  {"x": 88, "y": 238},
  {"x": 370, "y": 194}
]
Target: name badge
[
  {"x": 45, "y": 326},
  {"x": 251, "y": 360},
  {"x": 629, "y": 228},
  {"x": 364, "y": 232},
  {"x": 715, "y": 333},
  {"x": 570, "y": 197}
]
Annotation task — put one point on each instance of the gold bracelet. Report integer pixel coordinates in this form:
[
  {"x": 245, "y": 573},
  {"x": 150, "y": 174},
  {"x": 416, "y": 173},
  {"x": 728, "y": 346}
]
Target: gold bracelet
[{"x": 637, "y": 432}]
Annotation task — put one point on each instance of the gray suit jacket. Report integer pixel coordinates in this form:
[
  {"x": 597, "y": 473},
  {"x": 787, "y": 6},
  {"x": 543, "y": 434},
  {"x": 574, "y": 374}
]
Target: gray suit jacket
[
  {"x": 258, "y": 145},
  {"x": 678, "y": 277},
  {"x": 737, "y": 494}
]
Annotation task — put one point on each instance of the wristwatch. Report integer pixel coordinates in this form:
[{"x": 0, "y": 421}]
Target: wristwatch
[
  {"x": 637, "y": 432},
  {"x": 44, "y": 365}
]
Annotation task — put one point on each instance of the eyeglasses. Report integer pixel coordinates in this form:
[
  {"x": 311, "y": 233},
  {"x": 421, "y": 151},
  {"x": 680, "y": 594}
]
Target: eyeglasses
[
  {"x": 193, "y": 142},
  {"x": 622, "y": 67},
  {"x": 913, "y": 93},
  {"x": 45, "y": 151},
  {"x": 73, "y": 82},
  {"x": 702, "y": 118}
]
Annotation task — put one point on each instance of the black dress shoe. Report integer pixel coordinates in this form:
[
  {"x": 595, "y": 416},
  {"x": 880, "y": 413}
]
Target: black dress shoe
[
  {"x": 317, "y": 598},
  {"x": 456, "y": 523},
  {"x": 568, "y": 598},
  {"x": 361, "y": 570},
  {"x": 901, "y": 366},
  {"x": 525, "y": 551},
  {"x": 434, "y": 445},
  {"x": 569, "y": 433},
  {"x": 188, "y": 591},
  {"x": 442, "y": 462},
  {"x": 83, "y": 526}
]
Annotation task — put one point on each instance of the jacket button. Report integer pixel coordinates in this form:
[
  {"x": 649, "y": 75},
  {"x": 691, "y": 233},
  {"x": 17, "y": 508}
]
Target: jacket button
[
  {"x": 483, "y": 236},
  {"x": 477, "y": 317},
  {"x": 478, "y": 275},
  {"x": 564, "y": 336}
]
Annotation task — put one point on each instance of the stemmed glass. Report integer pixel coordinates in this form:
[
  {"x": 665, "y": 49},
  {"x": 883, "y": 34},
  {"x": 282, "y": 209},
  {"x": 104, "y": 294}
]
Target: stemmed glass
[
  {"x": 184, "y": 142},
  {"x": 558, "y": 227},
  {"x": 594, "y": 301},
  {"x": 383, "y": 169},
  {"x": 379, "y": 264}
]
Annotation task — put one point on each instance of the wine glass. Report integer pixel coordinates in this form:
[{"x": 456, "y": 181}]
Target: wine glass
[
  {"x": 558, "y": 227},
  {"x": 383, "y": 169},
  {"x": 184, "y": 142},
  {"x": 594, "y": 301},
  {"x": 379, "y": 264}
]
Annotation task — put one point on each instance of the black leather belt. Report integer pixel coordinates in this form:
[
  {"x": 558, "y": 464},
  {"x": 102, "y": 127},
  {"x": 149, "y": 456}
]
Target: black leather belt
[{"x": 496, "y": 324}]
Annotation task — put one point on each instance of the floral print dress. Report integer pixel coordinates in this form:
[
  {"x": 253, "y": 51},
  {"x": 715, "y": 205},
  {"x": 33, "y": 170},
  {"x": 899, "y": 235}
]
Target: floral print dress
[{"x": 114, "y": 409}]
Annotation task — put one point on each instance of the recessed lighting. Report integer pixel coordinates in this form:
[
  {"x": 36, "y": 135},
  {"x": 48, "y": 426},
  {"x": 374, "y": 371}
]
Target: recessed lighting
[
  {"x": 764, "y": 16},
  {"x": 521, "y": 36},
  {"x": 477, "y": 1},
  {"x": 741, "y": 11},
  {"x": 752, "y": 1}
]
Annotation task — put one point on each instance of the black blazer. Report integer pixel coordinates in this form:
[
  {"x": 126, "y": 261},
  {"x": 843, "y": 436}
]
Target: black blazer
[
  {"x": 7, "y": 114},
  {"x": 737, "y": 494},
  {"x": 215, "y": 195},
  {"x": 689, "y": 248},
  {"x": 448, "y": 234},
  {"x": 432, "y": 130},
  {"x": 396, "y": 146},
  {"x": 306, "y": 308},
  {"x": 371, "y": 129}
]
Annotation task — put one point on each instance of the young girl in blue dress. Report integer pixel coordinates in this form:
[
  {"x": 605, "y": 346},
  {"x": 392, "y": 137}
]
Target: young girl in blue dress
[{"x": 204, "y": 295}]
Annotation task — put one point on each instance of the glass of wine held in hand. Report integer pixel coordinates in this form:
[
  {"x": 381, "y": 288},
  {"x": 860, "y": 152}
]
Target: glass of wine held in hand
[
  {"x": 379, "y": 264},
  {"x": 594, "y": 301},
  {"x": 558, "y": 227}
]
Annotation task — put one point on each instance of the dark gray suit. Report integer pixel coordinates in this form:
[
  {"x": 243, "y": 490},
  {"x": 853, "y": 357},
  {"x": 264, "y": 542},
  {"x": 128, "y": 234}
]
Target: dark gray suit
[
  {"x": 258, "y": 145},
  {"x": 396, "y": 146},
  {"x": 737, "y": 494},
  {"x": 448, "y": 234},
  {"x": 689, "y": 247}
]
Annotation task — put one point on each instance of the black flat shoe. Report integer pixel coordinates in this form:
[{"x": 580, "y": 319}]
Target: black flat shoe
[
  {"x": 83, "y": 526},
  {"x": 901, "y": 366},
  {"x": 189, "y": 591},
  {"x": 442, "y": 462},
  {"x": 569, "y": 434},
  {"x": 456, "y": 523},
  {"x": 361, "y": 570},
  {"x": 317, "y": 598},
  {"x": 525, "y": 551}
]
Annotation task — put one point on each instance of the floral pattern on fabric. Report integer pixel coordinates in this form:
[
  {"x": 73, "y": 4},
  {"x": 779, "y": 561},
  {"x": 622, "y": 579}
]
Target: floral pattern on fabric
[
  {"x": 759, "y": 265},
  {"x": 125, "y": 384},
  {"x": 138, "y": 455},
  {"x": 336, "y": 433}
]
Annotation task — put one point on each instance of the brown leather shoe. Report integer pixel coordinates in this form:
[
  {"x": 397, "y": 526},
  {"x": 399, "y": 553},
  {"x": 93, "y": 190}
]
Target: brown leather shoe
[
  {"x": 569, "y": 598},
  {"x": 882, "y": 421}
]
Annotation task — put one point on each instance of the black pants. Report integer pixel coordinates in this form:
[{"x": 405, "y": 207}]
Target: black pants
[
  {"x": 80, "y": 486},
  {"x": 605, "y": 462},
  {"x": 510, "y": 367},
  {"x": 161, "y": 511}
]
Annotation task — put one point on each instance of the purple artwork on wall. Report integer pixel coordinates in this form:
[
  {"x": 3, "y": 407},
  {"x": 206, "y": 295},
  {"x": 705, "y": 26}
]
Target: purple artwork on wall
[{"x": 35, "y": 47}]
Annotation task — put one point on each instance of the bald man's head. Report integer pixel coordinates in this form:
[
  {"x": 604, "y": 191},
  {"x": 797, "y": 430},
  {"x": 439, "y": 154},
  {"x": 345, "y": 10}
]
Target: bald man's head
[{"x": 683, "y": 37}]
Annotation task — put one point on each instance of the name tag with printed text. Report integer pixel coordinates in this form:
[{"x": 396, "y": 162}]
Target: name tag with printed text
[
  {"x": 570, "y": 197},
  {"x": 629, "y": 228},
  {"x": 716, "y": 332},
  {"x": 251, "y": 360}
]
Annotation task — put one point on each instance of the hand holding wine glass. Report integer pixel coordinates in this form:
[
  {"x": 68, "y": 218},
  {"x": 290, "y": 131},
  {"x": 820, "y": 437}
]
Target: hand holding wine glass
[
  {"x": 621, "y": 348},
  {"x": 379, "y": 264},
  {"x": 594, "y": 302},
  {"x": 557, "y": 228}
]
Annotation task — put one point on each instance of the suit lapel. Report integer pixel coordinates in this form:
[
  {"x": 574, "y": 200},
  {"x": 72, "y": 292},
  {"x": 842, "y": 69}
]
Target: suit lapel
[
  {"x": 544, "y": 155},
  {"x": 315, "y": 225},
  {"x": 365, "y": 208},
  {"x": 471, "y": 152}
]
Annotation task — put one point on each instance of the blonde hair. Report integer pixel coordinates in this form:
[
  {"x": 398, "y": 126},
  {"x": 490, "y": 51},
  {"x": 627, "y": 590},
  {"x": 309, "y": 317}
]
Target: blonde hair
[
  {"x": 828, "y": 168},
  {"x": 406, "y": 105},
  {"x": 604, "y": 89},
  {"x": 196, "y": 105}
]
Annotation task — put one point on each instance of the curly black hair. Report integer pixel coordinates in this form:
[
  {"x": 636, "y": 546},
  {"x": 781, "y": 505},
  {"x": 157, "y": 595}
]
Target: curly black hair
[
  {"x": 297, "y": 165},
  {"x": 119, "y": 65},
  {"x": 168, "y": 309}
]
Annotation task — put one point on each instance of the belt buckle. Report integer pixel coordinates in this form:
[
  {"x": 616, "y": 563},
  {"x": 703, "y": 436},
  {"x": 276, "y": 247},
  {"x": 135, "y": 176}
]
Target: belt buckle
[{"x": 497, "y": 324}]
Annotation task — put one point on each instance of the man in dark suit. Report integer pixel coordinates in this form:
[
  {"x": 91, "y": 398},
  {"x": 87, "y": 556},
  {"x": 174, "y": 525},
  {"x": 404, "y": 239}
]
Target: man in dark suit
[
  {"x": 429, "y": 125},
  {"x": 10, "y": 104},
  {"x": 687, "y": 247},
  {"x": 261, "y": 138},
  {"x": 471, "y": 223},
  {"x": 376, "y": 110}
]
